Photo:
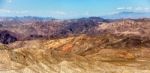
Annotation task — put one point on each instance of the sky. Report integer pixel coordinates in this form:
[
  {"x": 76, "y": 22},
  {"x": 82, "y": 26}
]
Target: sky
[{"x": 70, "y": 8}]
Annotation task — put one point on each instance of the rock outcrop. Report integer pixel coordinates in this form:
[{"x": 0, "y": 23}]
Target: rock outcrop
[{"x": 7, "y": 37}]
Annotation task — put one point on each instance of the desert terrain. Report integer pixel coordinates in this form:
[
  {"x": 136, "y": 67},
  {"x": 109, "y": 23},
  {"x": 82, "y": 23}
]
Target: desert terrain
[{"x": 85, "y": 45}]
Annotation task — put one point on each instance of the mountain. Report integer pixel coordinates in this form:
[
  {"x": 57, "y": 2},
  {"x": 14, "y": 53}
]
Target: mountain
[
  {"x": 126, "y": 15},
  {"x": 23, "y": 20},
  {"x": 32, "y": 28}
]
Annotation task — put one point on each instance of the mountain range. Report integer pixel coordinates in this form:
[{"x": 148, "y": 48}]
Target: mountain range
[
  {"x": 84, "y": 45},
  {"x": 128, "y": 15}
]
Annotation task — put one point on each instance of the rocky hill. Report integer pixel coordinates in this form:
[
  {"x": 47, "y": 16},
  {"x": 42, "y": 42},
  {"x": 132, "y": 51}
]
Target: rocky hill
[{"x": 74, "y": 55}]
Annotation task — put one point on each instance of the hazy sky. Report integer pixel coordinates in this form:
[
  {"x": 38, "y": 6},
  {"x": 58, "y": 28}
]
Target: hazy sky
[{"x": 70, "y": 8}]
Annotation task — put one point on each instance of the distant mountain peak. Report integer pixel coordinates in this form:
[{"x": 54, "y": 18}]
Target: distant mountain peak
[{"x": 128, "y": 14}]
